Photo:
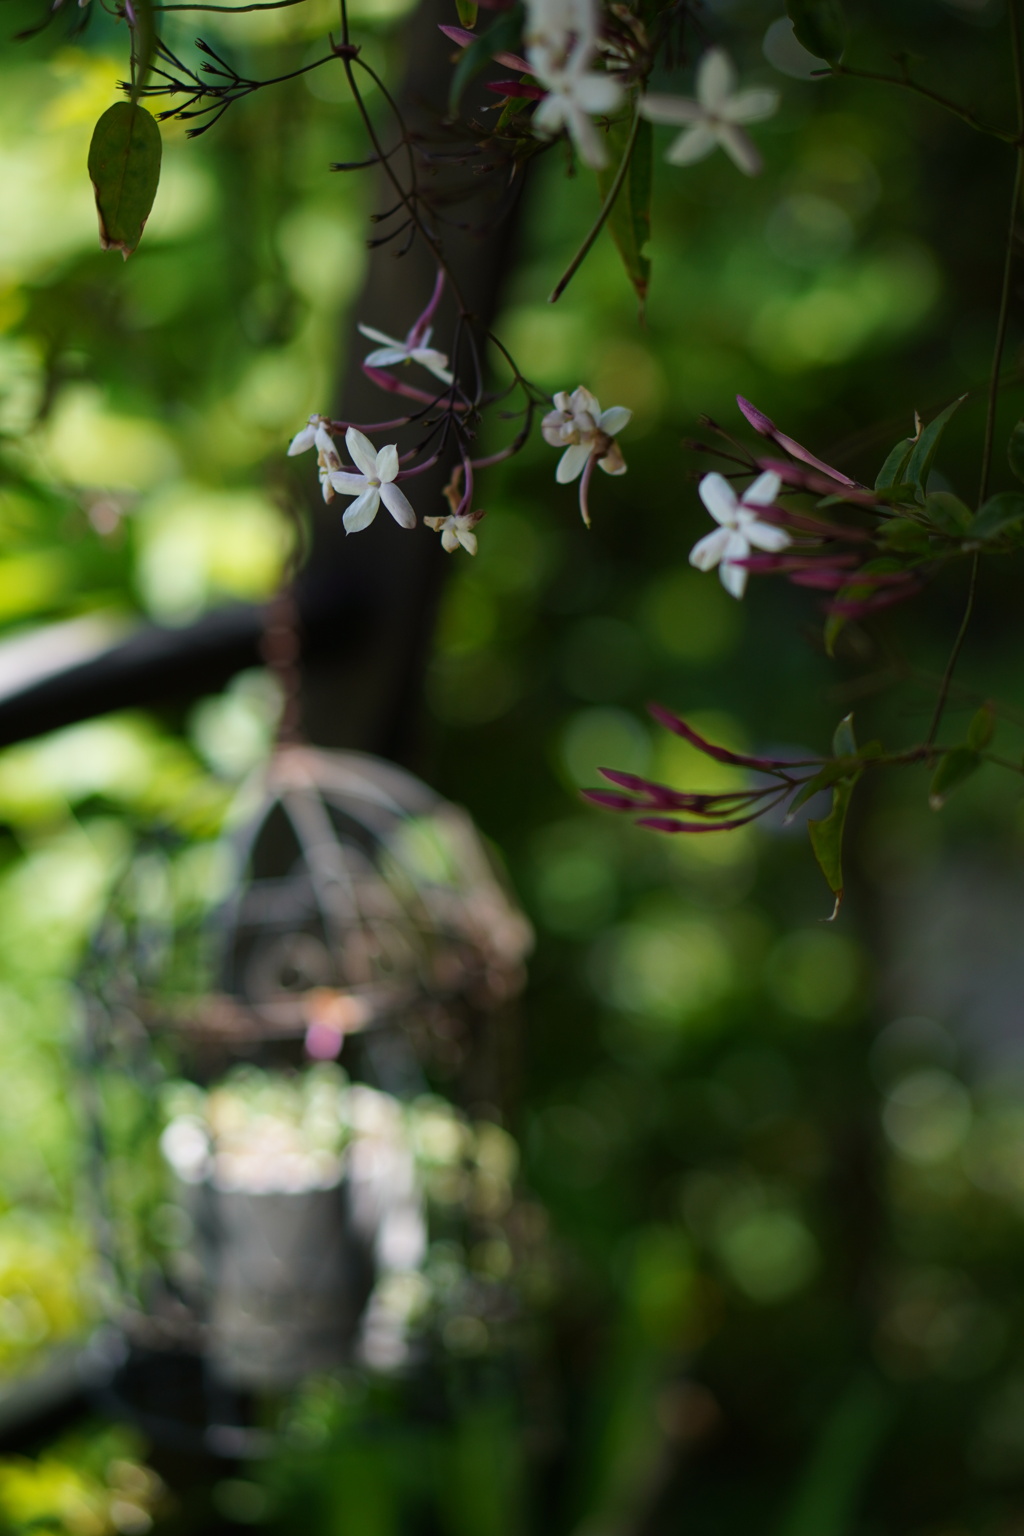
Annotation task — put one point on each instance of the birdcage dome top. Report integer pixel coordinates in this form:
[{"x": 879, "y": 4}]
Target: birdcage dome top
[{"x": 353, "y": 893}]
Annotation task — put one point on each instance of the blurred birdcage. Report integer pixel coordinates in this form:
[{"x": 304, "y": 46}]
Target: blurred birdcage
[{"x": 267, "y": 1020}]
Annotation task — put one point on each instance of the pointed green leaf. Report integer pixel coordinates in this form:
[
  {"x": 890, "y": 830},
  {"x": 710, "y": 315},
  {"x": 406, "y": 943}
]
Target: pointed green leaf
[
  {"x": 504, "y": 36},
  {"x": 922, "y": 455},
  {"x": 820, "y": 27},
  {"x": 904, "y": 537},
  {"x": 954, "y": 767},
  {"x": 827, "y": 837},
  {"x": 947, "y": 512},
  {"x": 630, "y": 219},
  {"x": 844, "y": 743},
  {"x": 982, "y": 728},
  {"x": 899, "y": 495},
  {"x": 467, "y": 10},
  {"x": 893, "y": 470},
  {"x": 1001, "y": 515},
  {"x": 124, "y": 166},
  {"x": 1015, "y": 450}
]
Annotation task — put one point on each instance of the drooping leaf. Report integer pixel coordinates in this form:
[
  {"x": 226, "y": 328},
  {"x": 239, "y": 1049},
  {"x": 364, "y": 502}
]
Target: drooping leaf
[
  {"x": 947, "y": 512},
  {"x": 1001, "y": 515},
  {"x": 505, "y": 36},
  {"x": 124, "y": 166},
  {"x": 629, "y": 222},
  {"x": 922, "y": 454},
  {"x": 892, "y": 472},
  {"x": 953, "y": 768},
  {"x": 827, "y": 837},
  {"x": 820, "y": 27},
  {"x": 467, "y": 10},
  {"x": 982, "y": 728}
]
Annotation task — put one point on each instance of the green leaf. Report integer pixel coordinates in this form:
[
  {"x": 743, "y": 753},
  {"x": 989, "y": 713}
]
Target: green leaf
[
  {"x": 467, "y": 10},
  {"x": 827, "y": 837},
  {"x": 124, "y": 166},
  {"x": 954, "y": 767},
  {"x": 844, "y": 743},
  {"x": 504, "y": 36},
  {"x": 947, "y": 512},
  {"x": 892, "y": 471},
  {"x": 629, "y": 222},
  {"x": 820, "y": 27},
  {"x": 922, "y": 454},
  {"x": 901, "y": 494},
  {"x": 904, "y": 536},
  {"x": 838, "y": 768},
  {"x": 1001, "y": 514},
  {"x": 982, "y": 728}
]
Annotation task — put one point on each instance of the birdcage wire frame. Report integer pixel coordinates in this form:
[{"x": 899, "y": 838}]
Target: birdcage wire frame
[{"x": 364, "y": 919}]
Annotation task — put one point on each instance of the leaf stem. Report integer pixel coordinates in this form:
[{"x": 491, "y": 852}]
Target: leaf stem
[
  {"x": 963, "y": 113},
  {"x": 602, "y": 218}
]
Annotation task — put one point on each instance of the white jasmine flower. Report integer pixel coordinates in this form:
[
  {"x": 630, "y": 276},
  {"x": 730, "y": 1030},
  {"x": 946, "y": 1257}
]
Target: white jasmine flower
[
  {"x": 560, "y": 26},
  {"x": 456, "y": 529},
  {"x": 714, "y": 117},
  {"x": 740, "y": 528},
  {"x": 375, "y": 483},
  {"x": 415, "y": 348},
  {"x": 580, "y": 426},
  {"x": 314, "y": 432},
  {"x": 315, "y": 435},
  {"x": 575, "y": 94}
]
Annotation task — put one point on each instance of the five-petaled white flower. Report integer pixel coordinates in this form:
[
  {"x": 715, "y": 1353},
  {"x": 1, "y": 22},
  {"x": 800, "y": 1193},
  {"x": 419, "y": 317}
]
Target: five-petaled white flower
[
  {"x": 415, "y": 348},
  {"x": 575, "y": 94},
  {"x": 740, "y": 527},
  {"x": 315, "y": 435},
  {"x": 560, "y": 26},
  {"x": 455, "y": 529},
  {"x": 579, "y": 425},
  {"x": 375, "y": 483},
  {"x": 714, "y": 117}
]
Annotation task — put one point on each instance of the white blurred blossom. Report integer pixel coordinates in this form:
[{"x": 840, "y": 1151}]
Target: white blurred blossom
[
  {"x": 575, "y": 94},
  {"x": 415, "y": 348},
  {"x": 715, "y": 116},
  {"x": 315, "y": 434}
]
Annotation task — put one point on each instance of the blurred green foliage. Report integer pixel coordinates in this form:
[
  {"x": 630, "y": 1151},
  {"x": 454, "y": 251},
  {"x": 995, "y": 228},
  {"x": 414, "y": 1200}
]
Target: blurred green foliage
[{"x": 785, "y": 1220}]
